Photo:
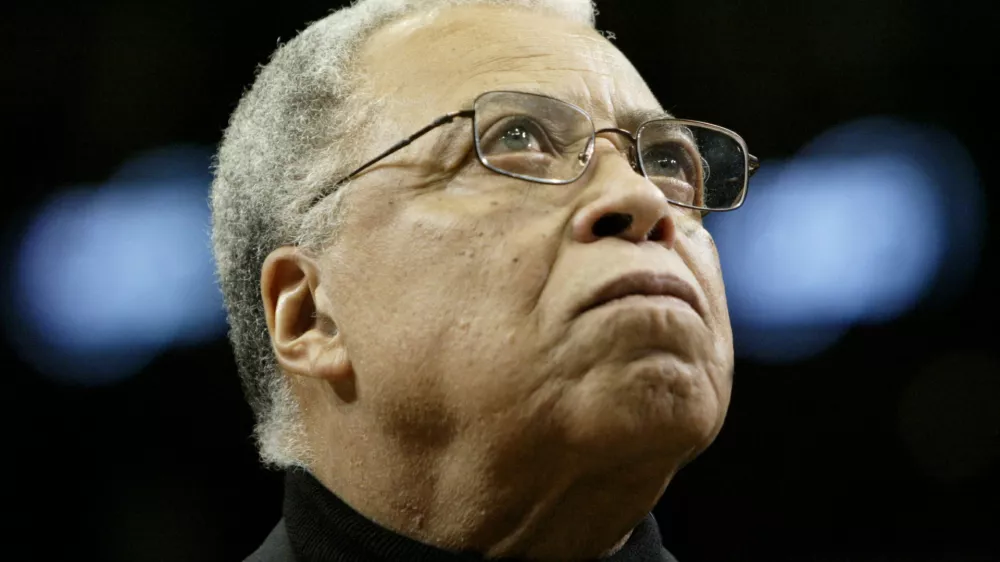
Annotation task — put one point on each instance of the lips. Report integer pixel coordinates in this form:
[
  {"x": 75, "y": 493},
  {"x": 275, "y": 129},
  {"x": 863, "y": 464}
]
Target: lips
[{"x": 645, "y": 283}]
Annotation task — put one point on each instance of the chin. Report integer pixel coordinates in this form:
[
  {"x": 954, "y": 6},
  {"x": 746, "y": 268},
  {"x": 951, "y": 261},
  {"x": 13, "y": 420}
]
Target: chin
[{"x": 654, "y": 405}]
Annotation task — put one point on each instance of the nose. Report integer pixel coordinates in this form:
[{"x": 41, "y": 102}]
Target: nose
[{"x": 628, "y": 206}]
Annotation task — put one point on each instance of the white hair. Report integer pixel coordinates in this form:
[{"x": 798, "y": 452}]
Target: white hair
[{"x": 293, "y": 132}]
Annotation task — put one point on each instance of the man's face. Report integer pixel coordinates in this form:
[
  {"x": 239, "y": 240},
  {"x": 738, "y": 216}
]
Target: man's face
[{"x": 458, "y": 291}]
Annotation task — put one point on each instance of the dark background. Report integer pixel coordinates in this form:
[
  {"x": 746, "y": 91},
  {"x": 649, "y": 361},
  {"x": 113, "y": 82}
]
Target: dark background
[{"x": 871, "y": 451}]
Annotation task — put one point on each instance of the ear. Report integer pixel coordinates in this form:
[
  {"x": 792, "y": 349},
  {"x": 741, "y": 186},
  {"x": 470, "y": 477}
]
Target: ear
[{"x": 305, "y": 339}]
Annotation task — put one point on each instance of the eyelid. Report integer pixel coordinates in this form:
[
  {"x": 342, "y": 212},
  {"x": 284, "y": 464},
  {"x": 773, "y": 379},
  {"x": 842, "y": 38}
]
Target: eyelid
[
  {"x": 619, "y": 144},
  {"x": 691, "y": 151},
  {"x": 686, "y": 139},
  {"x": 492, "y": 132}
]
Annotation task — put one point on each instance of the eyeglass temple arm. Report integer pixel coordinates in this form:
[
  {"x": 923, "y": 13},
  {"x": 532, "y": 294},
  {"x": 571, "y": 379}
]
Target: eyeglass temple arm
[
  {"x": 753, "y": 164},
  {"x": 443, "y": 120}
]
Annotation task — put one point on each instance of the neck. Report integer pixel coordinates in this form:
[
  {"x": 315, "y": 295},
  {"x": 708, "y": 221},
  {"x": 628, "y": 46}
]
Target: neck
[{"x": 467, "y": 497}]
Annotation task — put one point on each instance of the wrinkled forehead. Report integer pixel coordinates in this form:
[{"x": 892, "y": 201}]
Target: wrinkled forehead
[{"x": 431, "y": 64}]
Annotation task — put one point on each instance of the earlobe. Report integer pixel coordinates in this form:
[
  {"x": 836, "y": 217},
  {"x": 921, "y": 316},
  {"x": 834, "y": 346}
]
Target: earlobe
[{"x": 304, "y": 338}]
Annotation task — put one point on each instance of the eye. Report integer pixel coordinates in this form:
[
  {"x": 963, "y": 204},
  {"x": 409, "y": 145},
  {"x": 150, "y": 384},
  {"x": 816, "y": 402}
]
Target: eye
[
  {"x": 670, "y": 160},
  {"x": 518, "y": 138},
  {"x": 517, "y": 134},
  {"x": 674, "y": 166}
]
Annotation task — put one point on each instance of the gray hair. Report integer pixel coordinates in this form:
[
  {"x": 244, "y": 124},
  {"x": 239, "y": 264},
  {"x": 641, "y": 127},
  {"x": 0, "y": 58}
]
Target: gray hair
[{"x": 284, "y": 143}]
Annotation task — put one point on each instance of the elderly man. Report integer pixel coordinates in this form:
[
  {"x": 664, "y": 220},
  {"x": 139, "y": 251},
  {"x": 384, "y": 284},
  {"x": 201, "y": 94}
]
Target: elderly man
[{"x": 499, "y": 337}]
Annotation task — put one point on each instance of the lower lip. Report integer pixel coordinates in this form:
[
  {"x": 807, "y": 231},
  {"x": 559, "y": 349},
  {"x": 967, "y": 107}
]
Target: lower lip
[{"x": 657, "y": 301}]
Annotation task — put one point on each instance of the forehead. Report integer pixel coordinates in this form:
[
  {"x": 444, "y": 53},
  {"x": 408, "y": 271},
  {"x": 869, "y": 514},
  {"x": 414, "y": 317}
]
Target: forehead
[{"x": 435, "y": 63}]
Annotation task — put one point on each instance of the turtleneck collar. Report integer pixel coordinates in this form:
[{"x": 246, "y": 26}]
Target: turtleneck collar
[{"x": 322, "y": 528}]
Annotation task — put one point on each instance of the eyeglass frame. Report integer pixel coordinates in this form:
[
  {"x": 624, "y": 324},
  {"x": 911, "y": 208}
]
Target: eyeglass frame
[{"x": 752, "y": 165}]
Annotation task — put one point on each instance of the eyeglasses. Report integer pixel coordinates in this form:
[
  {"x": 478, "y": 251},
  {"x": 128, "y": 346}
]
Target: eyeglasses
[{"x": 544, "y": 140}]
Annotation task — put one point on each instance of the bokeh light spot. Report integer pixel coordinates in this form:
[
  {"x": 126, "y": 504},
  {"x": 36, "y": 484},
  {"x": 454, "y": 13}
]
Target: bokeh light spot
[
  {"x": 109, "y": 276},
  {"x": 857, "y": 228}
]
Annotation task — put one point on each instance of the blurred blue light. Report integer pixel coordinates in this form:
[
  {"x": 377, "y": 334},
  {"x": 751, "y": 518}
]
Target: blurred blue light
[
  {"x": 948, "y": 167},
  {"x": 858, "y": 227},
  {"x": 108, "y": 277},
  {"x": 831, "y": 242}
]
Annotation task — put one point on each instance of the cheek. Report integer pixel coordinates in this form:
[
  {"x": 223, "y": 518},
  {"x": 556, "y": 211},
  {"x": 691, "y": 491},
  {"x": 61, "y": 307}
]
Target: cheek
[
  {"x": 491, "y": 249},
  {"x": 446, "y": 269},
  {"x": 700, "y": 251}
]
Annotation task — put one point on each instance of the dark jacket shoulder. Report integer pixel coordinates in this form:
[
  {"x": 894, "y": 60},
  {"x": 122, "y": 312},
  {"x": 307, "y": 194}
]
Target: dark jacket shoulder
[{"x": 276, "y": 547}]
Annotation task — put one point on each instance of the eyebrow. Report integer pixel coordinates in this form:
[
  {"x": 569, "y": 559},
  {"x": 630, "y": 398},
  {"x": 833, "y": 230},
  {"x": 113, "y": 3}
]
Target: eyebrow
[
  {"x": 632, "y": 118},
  {"x": 628, "y": 119}
]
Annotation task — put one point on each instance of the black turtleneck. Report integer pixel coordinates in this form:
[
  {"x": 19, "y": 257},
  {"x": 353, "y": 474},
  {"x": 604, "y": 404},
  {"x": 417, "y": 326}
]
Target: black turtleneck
[{"x": 319, "y": 527}]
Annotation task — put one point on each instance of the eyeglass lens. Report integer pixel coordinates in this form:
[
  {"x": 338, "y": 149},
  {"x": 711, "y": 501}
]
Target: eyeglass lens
[{"x": 545, "y": 140}]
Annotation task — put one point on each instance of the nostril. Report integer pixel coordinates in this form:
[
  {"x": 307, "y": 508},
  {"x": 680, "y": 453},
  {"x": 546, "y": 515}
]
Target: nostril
[
  {"x": 611, "y": 224},
  {"x": 658, "y": 232}
]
